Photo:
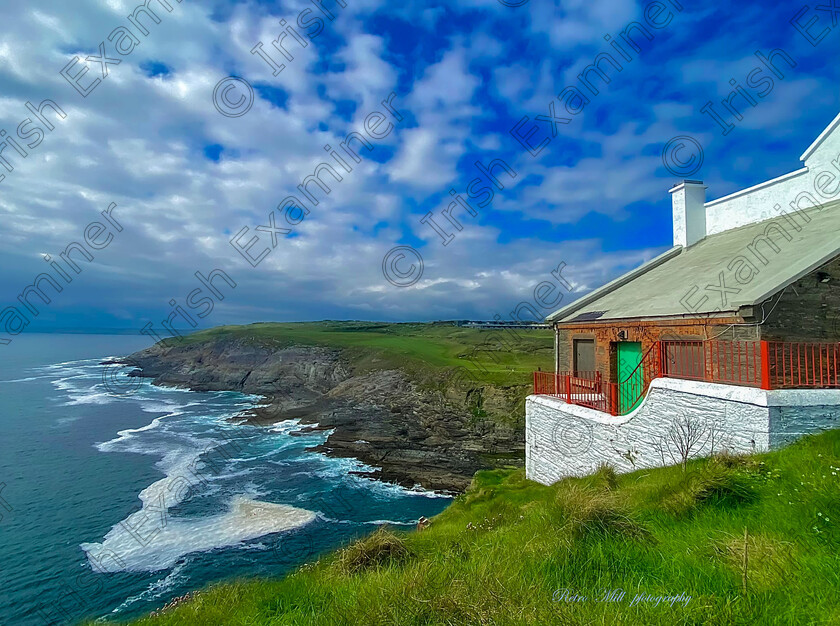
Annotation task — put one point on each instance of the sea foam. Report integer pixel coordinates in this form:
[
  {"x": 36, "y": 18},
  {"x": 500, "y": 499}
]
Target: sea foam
[{"x": 245, "y": 520}]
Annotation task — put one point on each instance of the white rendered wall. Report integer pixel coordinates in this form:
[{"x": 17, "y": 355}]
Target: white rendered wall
[
  {"x": 822, "y": 163},
  {"x": 567, "y": 440}
]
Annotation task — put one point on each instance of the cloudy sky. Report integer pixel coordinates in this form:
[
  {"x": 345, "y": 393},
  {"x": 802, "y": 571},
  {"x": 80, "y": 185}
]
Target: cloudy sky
[{"x": 186, "y": 179}]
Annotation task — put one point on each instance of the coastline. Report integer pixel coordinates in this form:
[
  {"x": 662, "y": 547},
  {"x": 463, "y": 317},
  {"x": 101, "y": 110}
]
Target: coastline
[{"x": 412, "y": 435}]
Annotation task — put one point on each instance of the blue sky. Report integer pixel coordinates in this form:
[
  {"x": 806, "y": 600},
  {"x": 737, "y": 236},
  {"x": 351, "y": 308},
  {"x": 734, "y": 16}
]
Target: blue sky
[{"x": 186, "y": 179}]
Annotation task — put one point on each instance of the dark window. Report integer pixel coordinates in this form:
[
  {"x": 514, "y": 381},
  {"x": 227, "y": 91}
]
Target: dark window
[{"x": 584, "y": 356}]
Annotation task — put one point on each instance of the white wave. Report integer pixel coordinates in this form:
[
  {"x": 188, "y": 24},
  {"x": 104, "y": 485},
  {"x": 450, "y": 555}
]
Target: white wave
[
  {"x": 157, "y": 588},
  {"x": 89, "y": 362},
  {"x": 89, "y": 398},
  {"x": 382, "y": 522},
  {"x": 161, "y": 406},
  {"x": 393, "y": 490},
  {"x": 325, "y": 518},
  {"x": 342, "y": 467},
  {"x": 81, "y": 394},
  {"x": 127, "y": 434},
  {"x": 247, "y": 519},
  {"x": 227, "y": 475},
  {"x": 284, "y": 427}
]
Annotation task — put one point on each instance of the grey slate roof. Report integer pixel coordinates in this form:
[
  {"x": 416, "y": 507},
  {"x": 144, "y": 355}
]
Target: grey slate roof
[{"x": 656, "y": 288}]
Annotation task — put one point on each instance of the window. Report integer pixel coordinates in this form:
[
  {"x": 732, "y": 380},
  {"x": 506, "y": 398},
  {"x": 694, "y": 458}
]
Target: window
[
  {"x": 685, "y": 359},
  {"x": 584, "y": 356}
]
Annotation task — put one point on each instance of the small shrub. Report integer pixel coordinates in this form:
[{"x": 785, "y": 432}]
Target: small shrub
[
  {"x": 607, "y": 476},
  {"x": 381, "y": 549},
  {"x": 597, "y": 513},
  {"x": 722, "y": 482},
  {"x": 730, "y": 459}
]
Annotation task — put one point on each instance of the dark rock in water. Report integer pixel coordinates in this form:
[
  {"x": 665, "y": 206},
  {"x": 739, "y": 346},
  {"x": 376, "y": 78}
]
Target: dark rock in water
[{"x": 379, "y": 417}]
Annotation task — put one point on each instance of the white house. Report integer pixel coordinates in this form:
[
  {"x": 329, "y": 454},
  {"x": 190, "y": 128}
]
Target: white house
[{"x": 727, "y": 340}]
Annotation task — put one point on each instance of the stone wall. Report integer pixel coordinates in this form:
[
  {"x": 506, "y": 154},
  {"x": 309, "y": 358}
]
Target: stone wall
[
  {"x": 809, "y": 310},
  {"x": 567, "y": 440}
]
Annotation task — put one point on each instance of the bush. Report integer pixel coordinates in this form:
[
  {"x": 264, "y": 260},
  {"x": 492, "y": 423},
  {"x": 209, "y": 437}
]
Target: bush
[
  {"x": 597, "y": 513},
  {"x": 721, "y": 482},
  {"x": 381, "y": 549},
  {"x": 607, "y": 476}
]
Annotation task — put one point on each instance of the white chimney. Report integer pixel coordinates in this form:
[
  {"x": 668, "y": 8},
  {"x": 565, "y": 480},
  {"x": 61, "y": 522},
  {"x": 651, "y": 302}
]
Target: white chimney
[{"x": 689, "y": 208}]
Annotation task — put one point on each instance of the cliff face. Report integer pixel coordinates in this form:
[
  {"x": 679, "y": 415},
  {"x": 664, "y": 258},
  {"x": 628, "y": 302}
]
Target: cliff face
[{"x": 416, "y": 433}]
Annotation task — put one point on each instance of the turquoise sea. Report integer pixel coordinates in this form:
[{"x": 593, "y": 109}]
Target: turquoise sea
[{"x": 117, "y": 497}]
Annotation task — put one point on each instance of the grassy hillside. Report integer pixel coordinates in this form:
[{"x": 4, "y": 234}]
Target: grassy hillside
[
  {"x": 500, "y": 357},
  {"x": 504, "y": 552}
]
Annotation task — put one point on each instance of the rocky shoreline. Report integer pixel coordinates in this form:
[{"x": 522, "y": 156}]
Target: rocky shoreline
[{"x": 413, "y": 434}]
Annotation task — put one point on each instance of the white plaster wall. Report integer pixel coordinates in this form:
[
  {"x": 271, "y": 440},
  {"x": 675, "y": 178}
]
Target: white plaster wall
[
  {"x": 756, "y": 203},
  {"x": 567, "y": 440}
]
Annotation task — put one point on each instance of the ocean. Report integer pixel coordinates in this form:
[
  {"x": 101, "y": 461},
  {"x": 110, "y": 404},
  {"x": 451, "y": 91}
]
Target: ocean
[{"x": 117, "y": 496}]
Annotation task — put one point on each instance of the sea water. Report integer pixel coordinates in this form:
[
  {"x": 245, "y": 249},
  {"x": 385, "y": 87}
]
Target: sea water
[{"x": 116, "y": 498}]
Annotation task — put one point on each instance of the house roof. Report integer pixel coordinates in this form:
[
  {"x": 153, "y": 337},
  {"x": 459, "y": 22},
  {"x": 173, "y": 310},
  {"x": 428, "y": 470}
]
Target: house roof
[{"x": 656, "y": 288}]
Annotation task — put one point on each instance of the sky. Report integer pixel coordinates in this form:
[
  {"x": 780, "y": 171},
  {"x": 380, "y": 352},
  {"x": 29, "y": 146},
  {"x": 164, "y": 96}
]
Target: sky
[{"x": 198, "y": 132}]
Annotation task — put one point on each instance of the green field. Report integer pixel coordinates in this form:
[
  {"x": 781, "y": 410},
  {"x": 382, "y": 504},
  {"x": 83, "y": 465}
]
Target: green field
[
  {"x": 504, "y": 552},
  {"x": 497, "y": 357}
]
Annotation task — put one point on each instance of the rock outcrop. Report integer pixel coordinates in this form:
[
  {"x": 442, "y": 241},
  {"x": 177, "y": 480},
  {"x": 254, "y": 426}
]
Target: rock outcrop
[{"x": 415, "y": 433}]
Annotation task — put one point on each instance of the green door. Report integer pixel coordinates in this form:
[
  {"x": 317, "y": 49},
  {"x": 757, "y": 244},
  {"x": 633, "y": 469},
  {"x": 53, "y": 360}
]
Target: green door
[{"x": 630, "y": 378}]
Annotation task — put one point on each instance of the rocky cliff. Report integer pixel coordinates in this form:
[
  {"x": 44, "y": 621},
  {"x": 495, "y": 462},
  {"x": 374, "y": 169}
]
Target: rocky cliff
[{"x": 429, "y": 432}]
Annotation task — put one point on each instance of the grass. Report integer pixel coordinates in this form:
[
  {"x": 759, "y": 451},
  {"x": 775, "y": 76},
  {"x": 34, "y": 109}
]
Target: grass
[
  {"x": 497, "y": 357},
  {"x": 504, "y": 551}
]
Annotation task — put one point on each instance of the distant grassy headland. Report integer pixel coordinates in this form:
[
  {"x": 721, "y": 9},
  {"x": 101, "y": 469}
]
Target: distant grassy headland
[
  {"x": 427, "y": 404},
  {"x": 501, "y": 357},
  {"x": 733, "y": 540}
]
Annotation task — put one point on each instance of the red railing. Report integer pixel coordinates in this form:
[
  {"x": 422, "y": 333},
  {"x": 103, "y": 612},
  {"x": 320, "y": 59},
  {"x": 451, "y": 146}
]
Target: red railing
[
  {"x": 583, "y": 388},
  {"x": 797, "y": 365},
  {"x": 729, "y": 362},
  {"x": 769, "y": 365}
]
